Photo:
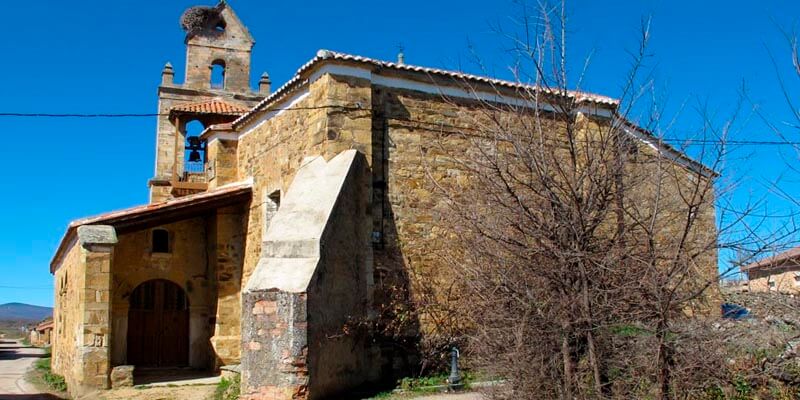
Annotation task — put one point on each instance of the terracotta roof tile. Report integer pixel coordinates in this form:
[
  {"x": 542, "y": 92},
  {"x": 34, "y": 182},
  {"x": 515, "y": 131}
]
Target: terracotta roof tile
[
  {"x": 45, "y": 325},
  {"x": 213, "y": 106}
]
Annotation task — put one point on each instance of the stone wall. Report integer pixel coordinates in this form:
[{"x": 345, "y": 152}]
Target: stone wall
[
  {"x": 226, "y": 232},
  {"x": 412, "y": 143},
  {"x": 270, "y": 151},
  {"x": 222, "y": 160},
  {"x": 83, "y": 312},
  {"x": 68, "y": 315}
]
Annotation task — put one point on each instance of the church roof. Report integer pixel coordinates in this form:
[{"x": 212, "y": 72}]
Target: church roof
[
  {"x": 213, "y": 106},
  {"x": 427, "y": 73},
  {"x": 158, "y": 213}
]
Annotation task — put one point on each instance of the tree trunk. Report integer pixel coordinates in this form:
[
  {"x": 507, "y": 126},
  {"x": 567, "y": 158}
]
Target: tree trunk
[
  {"x": 588, "y": 318},
  {"x": 665, "y": 362},
  {"x": 566, "y": 354}
]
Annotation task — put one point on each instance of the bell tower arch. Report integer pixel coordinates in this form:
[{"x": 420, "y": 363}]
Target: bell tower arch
[{"x": 216, "y": 81}]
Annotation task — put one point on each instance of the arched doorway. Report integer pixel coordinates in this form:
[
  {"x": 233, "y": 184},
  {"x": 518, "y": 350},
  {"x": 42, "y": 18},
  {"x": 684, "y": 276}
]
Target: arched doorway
[{"x": 158, "y": 325}]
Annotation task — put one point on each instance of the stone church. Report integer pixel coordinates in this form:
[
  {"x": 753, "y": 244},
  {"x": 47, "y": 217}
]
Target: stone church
[{"x": 274, "y": 219}]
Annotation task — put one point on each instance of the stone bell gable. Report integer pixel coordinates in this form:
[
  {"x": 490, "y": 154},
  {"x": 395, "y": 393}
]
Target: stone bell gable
[
  {"x": 218, "y": 52},
  {"x": 215, "y": 36}
]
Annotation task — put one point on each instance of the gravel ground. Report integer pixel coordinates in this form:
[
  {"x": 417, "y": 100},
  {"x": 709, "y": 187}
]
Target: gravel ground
[{"x": 196, "y": 392}]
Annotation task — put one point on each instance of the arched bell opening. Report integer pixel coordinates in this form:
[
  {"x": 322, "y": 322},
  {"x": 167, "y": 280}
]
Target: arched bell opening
[{"x": 194, "y": 150}]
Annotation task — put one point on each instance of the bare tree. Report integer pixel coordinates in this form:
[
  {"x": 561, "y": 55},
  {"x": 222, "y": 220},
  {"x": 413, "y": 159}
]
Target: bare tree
[{"x": 587, "y": 245}]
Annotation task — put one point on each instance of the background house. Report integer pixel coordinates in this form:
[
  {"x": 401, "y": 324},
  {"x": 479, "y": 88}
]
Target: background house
[{"x": 777, "y": 273}]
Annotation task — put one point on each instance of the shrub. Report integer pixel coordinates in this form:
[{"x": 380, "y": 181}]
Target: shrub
[
  {"x": 228, "y": 389},
  {"x": 53, "y": 381}
]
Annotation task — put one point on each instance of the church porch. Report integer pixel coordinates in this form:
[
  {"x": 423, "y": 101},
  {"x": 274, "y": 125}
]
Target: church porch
[{"x": 160, "y": 288}]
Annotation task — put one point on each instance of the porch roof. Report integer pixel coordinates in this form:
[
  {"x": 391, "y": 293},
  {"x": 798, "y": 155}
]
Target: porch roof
[{"x": 155, "y": 214}]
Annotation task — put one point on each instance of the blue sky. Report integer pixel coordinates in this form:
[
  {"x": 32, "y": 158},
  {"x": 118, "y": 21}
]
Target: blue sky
[{"x": 105, "y": 57}]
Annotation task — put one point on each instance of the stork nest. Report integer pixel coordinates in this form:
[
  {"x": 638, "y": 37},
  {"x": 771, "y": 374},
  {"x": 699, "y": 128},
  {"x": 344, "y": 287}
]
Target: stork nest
[{"x": 198, "y": 18}]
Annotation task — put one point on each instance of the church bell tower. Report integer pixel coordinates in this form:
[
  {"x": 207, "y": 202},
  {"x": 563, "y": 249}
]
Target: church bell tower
[{"x": 216, "y": 89}]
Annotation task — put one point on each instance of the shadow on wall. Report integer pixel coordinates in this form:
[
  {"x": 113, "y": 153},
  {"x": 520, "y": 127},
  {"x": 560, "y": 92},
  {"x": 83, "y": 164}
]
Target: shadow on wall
[{"x": 397, "y": 330}]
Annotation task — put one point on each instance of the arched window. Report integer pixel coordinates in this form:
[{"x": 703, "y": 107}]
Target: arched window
[
  {"x": 218, "y": 74},
  {"x": 160, "y": 241}
]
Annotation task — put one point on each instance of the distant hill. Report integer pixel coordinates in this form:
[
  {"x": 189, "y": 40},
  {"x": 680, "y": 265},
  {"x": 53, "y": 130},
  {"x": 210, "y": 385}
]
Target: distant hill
[{"x": 24, "y": 312}]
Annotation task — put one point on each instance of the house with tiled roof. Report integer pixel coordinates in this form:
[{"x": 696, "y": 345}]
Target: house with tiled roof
[
  {"x": 777, "y": 273},
  {"x": 280, "y": 223},
  {"x": 41, "y": 333}
]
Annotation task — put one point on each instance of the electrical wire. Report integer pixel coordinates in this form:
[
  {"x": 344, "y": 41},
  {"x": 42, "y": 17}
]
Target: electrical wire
[
  {"x": 27, "y": 287},
  {"x": 682, "y": 141}
]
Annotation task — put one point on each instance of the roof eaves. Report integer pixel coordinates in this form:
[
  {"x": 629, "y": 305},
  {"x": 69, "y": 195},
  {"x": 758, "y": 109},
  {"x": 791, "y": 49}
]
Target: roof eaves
[
  {"x": 118, "y": 216},
  {"x": 776, "y": 260},
  {"x": 697, "y": 166},
  {"x": 327, "y": 55}
]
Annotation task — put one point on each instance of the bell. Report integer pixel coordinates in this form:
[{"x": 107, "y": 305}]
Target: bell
[
  {"x": 194, "y": 141},
  {"x": 194, "y": 156}
]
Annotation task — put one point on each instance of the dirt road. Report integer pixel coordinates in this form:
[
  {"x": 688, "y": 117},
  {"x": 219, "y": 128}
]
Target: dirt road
[{"x": 15, "y": 359}]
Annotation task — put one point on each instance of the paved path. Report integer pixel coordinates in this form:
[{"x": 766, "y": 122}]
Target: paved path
[{"x": 15, "y": 359}]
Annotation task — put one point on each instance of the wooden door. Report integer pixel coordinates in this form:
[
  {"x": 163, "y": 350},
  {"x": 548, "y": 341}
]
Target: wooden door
[{"x": 158, "y": 325}]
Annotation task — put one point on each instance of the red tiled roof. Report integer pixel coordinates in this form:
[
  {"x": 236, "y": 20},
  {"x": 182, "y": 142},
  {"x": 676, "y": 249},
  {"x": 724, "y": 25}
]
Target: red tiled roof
[
  {"x": 45, "y": 325},
  {"x": 776, "y": 260},
  {"x": 132, "y": 215},
  {"x": 213, "y": 106}
]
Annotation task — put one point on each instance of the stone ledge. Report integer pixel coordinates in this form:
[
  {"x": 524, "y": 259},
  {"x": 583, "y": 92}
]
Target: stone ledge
[
  {"x": 159, "y": 181},
  {"x": 97, "y": 235},
  {"x": 230, "y": 371},
  {"x": 122, "y": 376}
]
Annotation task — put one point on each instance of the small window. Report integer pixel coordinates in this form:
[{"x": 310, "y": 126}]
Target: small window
[
  {"x": 276, "y": 198},
  {"x": 160, "y": 241}
]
